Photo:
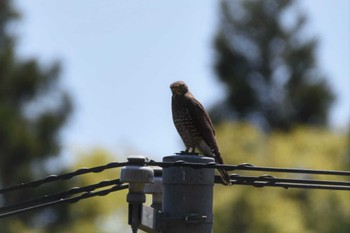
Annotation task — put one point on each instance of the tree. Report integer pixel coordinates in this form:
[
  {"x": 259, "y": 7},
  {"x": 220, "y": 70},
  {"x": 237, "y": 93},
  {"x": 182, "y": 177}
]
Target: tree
[
  {"x": 103, "y": 214},
  {"x": 248, "y": 209},
  {"x": 268, "y": 66},
  {"x": 98, "y": 214},
  {"x": 33, "y": 109}
]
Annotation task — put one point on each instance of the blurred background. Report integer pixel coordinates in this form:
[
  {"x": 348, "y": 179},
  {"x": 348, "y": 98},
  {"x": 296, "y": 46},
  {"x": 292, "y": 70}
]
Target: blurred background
[{"x": 84, "y": 83}]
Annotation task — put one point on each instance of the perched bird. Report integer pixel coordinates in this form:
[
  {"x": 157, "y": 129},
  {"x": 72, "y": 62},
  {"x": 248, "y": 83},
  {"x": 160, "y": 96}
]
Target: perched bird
[{"x": 194, "y": 125}]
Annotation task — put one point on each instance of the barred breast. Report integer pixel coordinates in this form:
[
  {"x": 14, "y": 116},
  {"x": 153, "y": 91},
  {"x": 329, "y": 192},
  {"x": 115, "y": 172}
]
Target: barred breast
[{"x": 185, "y": 125}]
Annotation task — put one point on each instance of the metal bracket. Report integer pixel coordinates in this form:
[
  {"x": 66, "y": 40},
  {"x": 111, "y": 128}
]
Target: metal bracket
[
  {"x": 149, "y": 219},
  {"x": 196, "y": 218}
]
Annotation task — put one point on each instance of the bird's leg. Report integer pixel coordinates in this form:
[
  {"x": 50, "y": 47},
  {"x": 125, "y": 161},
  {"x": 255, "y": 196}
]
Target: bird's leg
[
  {"x": 189, "y": 151},
  {"x": 185, "y": 151},
  {"x": 193, "y": 151}
]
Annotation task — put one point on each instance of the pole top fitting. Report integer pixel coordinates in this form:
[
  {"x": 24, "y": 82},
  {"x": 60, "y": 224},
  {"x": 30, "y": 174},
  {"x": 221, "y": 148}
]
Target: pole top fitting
[
  {"x": 138, "y": 160},
  {"x": 137, "y": 172}
]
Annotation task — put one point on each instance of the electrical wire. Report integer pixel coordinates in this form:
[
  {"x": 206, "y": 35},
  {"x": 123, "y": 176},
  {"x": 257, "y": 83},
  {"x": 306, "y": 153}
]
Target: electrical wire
[
  {"x": 180, "y": 163},
  {"x": 87, "y": 194},
  {"x": 66, "y": 176},
  {"x": 72, "y": 196},
  {"x": 57, "y": 196},
  {"x": 247, "y": 167},
  {"x": 271, "y": 181}
]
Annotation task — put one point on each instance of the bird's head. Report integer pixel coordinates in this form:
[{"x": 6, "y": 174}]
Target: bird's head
[{"x": 179, "y": 88}]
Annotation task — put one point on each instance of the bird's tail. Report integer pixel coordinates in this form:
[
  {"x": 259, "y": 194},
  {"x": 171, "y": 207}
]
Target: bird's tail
[
  {"x": 225, "y": 177},
  {"x": 223, "y": 173}
]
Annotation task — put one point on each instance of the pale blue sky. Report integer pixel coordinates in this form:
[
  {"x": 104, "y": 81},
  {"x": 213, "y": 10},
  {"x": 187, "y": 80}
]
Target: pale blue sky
[{"x": 119, "y": 58}]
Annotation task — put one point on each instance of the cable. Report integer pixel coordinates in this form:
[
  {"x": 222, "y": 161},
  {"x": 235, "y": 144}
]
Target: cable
[
  {"x": 57, "y": 196},
  {"x": 70, "y": 196},
  {"x": 65, "y": 176},
  {"x": 267, "y": 180},
  {"x": 67, "y": 200},
  {"x": 181, "y": 163},
  {"x": 247, "y": 167}
]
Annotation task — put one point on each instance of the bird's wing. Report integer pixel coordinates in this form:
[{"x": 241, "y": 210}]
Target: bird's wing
[{"x": 202, "y": 121}]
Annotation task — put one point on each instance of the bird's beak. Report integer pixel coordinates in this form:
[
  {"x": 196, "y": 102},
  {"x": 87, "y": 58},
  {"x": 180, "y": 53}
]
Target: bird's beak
[{"x": 175, "y": 90}]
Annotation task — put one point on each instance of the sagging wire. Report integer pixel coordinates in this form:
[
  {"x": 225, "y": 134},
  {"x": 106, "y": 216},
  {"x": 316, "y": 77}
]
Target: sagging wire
[
  {"x": 240, "y": 167},
  {"x": 63, "y": 197},
  {"x": 247, "y": 167},
  {"x": 271, "y": 181},
  {"x": 70, "y": 196},
  {"x": 66, "y": 176}
]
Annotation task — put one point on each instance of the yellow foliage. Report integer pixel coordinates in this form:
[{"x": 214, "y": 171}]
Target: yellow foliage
[
  {"x": 93, "y": 214},
  {"x": 18, "y": 226},
  {"x": 249, "y": 209},
  {"x": 242, "y": 209}
]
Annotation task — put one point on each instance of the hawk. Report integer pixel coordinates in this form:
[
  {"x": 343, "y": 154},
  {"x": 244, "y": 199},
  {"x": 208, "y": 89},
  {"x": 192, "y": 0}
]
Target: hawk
[{"x": 194, "y": 125}]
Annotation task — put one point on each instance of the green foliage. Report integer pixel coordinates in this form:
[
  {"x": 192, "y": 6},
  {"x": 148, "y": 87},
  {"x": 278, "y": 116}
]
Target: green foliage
[
  {"x": 268, "y": 66},
  {"x": 33, "y": 109},
  {"x": 259, "y": 210},
  {"x": 105, "y": 214}
]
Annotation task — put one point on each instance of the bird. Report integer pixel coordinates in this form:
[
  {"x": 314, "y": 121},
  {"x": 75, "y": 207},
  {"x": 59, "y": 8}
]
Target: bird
[{"x": 194, "y": 125}]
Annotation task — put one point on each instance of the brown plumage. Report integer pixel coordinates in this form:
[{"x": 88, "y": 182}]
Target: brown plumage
[{"x": 194, "y": 125}]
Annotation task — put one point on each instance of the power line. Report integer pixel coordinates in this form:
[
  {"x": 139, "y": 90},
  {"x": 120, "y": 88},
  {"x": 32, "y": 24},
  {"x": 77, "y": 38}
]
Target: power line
[
  {"x": 57, "y": 196},
  {"x": 87, "y": 194},
  {"x": 66, "y": 176},
  {"x": 242, "y": 167},
  {"x": 248, "y": 167},
  {"x": 89, "y": 191},
  {"x": 271, "y": 181}
]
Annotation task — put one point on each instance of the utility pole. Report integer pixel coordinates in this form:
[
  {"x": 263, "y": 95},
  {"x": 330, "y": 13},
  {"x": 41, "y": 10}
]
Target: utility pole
[{"x": 186, "y": 194}]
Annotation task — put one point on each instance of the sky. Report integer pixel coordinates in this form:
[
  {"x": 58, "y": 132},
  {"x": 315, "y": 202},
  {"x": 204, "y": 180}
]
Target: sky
[{"x": 119, "y": 58}]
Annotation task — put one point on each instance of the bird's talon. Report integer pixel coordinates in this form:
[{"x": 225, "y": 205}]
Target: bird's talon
[
  {"x": 187, "y": 153},
  {"x": 181, "y": 153},
  {"x": 194, "y": 153}
]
